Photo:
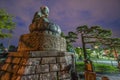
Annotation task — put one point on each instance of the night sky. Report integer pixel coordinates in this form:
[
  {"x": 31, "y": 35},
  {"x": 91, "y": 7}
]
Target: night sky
[{"x": 68, "y": 14}]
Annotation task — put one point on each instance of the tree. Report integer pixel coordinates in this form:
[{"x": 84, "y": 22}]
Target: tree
[
  {"x": 2, "y": 47},
  {"x": 92, "y": 35},
  {"x": 70, "y": 38},
  {"x": 6, "y": 24},
  {"x": 12, "y": 48},
  {"x": 78, "y": 51},
  {"x": 98, "y": 34},
  {"x": 62, "y": 34},
  {"x": 82, "y": 30},
  {"x": 112, "y": 43}
]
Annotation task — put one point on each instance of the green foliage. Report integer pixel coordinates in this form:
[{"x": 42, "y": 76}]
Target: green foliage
[
  {"x": 89, "y": 51},
  {"x": 79, "y": 51},
  {"x": 12, "y": 48},
  {"x": 82, "y": 29},
  {"x": 6, "y": 24},
  {"x": 94, "y": 35},
  {"x": 62, "y": 34},
  {"x": 1, "y": 46},
  {"x": 70, "y": 38},
  {"x": 93, "y": 32},
  {"x": 98, "y": 32},
  {"x": 80, "y": 66},
  {"x": 115, "y": 42}
]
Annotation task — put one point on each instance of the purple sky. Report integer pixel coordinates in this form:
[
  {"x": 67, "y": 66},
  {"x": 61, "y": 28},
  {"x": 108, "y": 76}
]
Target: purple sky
[{"x": 67, "y": 13}]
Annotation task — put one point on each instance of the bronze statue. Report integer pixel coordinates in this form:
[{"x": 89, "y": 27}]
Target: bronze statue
[
  {"x": 41, "y": 23},
  {"x": 42, "y": 13}
]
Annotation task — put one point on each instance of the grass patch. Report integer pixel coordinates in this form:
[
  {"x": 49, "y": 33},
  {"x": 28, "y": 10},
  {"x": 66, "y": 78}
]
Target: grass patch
[
  {"x": 80, "y": 66},
  {"x": 105, "y": 68},
  {"x": 99, "y": 68}
]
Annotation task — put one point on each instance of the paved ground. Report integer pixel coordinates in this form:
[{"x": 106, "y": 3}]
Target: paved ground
[
  {"x": 110, "y": 62},
  {"x": 110, "y": 76}
]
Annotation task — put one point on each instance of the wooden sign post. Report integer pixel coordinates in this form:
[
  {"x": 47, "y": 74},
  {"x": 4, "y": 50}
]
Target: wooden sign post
[{"x": 90, "y": 75}]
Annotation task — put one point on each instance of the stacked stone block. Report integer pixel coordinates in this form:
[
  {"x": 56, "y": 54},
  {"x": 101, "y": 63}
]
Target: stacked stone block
[{"x": 37, "y": 65}]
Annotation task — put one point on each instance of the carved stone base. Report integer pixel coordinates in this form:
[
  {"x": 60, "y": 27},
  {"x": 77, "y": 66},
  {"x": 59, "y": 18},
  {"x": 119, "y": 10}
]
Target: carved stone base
[
  {"x": 37, "y": 65},
  {"x": 41, "y": 41}
]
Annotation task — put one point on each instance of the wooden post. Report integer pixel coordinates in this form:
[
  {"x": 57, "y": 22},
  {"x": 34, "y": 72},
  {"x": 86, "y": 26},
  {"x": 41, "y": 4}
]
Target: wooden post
[{"x": 90, "y": 75}]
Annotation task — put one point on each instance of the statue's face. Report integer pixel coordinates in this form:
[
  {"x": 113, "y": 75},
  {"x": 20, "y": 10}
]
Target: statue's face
[{"x": 45, "y": 10}]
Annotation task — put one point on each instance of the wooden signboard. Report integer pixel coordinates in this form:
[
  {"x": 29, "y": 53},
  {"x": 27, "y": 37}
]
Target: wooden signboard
[{"x": 89, "y": 67}]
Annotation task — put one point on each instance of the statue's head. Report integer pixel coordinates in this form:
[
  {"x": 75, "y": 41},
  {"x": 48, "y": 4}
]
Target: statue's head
[{"x": 44, "y": 10}]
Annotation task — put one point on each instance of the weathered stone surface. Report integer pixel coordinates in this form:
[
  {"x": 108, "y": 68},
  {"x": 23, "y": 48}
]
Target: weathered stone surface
[
  {"x": 42, "y": 42},
  {"x": 33, "y": 61},
  {"x": 5, "y": 76},
  {"x": 48, "y": 76},
  {"x": 24, "y": 61},
  {"x": 16, "y": 60},
  {"x": 9, "y": 59},
  {"x": 38, "y": 53},
  {"x": 45, "y": 76},
  {"x": 54, "y": 67},
  {"x": 61, "y": 59},
  {"x": 63, "y": 76},
  {"x": 46, "y": 53},
  {"x": 5, "y": 66},
  {"x": 62, "y": 66},
  {"x": 30, "y": 77},
  {"x": 48, "y": 60},
  {"x": 14, "y": 77},
  {"x": 53, "y": 75},
  {"x": 29, "y": 70},
  {"x": 12, "y": 68},
  {"x": 68, "y": 59},
  {"x": 42, "y": 68},
  {"x": 21, "y": 70},
  {"x": 18, "y": 54}
]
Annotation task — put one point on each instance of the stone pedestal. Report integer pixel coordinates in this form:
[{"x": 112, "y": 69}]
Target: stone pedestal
[
  {"x": 37, "y": 65},
  {"x": 41, "y": 41}
]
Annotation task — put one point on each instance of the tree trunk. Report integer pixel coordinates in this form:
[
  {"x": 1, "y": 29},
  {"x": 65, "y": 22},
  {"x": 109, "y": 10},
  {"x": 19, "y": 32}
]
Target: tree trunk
[{"x": 83, "y": 45}]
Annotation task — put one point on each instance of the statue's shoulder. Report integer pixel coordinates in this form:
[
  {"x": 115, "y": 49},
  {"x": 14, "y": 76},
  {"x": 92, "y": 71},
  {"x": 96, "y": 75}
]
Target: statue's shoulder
[{"x": 39, "y": 14}]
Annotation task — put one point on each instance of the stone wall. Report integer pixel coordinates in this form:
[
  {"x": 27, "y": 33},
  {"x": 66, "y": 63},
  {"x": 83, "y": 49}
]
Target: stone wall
[{"x": 37, "y": 65}]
